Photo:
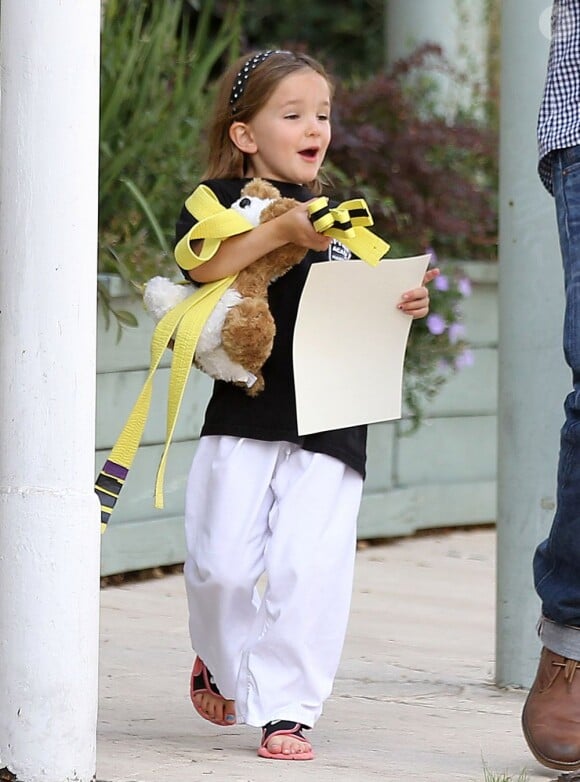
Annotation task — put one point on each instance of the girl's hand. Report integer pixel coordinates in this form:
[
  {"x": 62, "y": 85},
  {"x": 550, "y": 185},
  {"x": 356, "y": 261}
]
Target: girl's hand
[
  {"x": 416, "y": 301},
  {"x": 430, "y": 274},
  {"x": 294, "y": 227}
]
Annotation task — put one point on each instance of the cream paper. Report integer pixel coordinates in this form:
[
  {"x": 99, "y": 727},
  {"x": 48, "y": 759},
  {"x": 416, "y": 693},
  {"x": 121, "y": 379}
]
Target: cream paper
[{"x": 350, "y": 341}]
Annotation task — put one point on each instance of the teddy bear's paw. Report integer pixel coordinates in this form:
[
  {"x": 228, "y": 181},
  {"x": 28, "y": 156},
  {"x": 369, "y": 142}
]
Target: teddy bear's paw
[
  {"x": 161, "y": 294},
  {"x": 257, "y": 387},
  {"x": 248, "y": 334},
  {"x": 217, "y": 364}
]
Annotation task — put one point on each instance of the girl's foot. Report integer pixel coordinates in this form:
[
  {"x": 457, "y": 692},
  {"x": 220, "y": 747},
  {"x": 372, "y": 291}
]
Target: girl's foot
[
  {"x": 283, "y": 740},
  {"x": 207, "y": 699}
]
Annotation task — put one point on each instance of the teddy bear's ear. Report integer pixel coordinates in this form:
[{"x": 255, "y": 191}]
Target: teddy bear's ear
[{"x": 259, "y": 188}]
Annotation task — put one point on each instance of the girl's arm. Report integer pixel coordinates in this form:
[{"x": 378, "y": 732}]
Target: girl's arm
[{"x": 236, "y": 253}]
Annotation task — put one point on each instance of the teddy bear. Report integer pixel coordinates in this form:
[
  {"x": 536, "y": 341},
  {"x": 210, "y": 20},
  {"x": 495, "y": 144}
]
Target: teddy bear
[{"x": 237, "y": 338}]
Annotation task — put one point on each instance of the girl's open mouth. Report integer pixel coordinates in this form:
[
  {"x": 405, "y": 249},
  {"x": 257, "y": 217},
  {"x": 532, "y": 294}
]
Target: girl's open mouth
[{"x": 310, "y": 153}]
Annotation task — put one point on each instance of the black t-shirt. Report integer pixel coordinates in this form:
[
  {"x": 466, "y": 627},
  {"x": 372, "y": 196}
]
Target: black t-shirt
[{"x": 271, "y": 415}]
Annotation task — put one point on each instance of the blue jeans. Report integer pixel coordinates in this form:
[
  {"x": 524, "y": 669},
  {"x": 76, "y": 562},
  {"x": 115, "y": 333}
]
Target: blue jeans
[{"x": 557, "y": 559}]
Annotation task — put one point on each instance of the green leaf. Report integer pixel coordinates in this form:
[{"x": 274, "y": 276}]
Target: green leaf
[
  {"x": 126, "y": 318},
  {"x": 146, "y": 207}
]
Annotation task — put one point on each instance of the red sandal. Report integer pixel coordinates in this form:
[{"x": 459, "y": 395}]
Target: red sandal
[
  {"x": 201, "y": 682},
  {"x": 284, "y": 728}
]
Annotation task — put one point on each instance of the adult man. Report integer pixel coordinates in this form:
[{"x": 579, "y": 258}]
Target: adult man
[{"x": 551, "y": 715}]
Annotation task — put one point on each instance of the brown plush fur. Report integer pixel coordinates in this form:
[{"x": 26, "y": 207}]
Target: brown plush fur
[{"x": 248, "y": 331}]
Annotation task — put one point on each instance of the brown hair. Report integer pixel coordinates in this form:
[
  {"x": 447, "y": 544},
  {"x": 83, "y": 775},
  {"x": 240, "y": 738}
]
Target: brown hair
[{"x": 225, "y": 160}]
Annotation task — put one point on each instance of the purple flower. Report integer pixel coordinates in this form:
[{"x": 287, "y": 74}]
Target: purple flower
[
  {"x": 465, "y": 359},
  {"x": 441, "y": 283},
  {"x": 464, "y": 286},
  {"x": 436, "y": 324},
  {"x": 456, "y": 331}
]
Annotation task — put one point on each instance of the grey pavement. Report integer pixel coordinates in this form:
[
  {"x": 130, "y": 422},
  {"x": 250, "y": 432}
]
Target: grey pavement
[{"x": 414, "y": 697}]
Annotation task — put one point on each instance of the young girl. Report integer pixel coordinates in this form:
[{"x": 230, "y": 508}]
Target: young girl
[{"x": 261, "y": 499}]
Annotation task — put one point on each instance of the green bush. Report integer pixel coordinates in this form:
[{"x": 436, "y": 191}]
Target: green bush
[
  {"x": 157, "y": 61},
  {"x": 348, "y": 37}
]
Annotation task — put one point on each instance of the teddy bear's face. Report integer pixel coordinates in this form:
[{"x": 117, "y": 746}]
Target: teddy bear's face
[
  {"x": 251, "y": 207},
  {"x": 256, "y": 195}
]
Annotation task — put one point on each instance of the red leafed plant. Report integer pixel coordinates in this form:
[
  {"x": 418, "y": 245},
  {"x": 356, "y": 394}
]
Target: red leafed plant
[{"x": 429, "y": 179}]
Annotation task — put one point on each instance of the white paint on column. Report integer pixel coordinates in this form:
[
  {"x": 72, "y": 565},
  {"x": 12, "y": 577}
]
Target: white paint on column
[{"x": 49, "y": 529}]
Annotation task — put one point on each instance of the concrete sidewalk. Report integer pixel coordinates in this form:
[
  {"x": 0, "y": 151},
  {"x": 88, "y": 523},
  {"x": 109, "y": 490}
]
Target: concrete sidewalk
[{"x": 414, "y": 697}]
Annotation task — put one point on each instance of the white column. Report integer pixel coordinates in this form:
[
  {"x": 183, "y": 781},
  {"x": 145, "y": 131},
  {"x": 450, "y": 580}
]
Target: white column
[
  {"x": 533, "y": 379},
  {"x": 457, "y": 26},
  {"x": 49, "y": 525}
]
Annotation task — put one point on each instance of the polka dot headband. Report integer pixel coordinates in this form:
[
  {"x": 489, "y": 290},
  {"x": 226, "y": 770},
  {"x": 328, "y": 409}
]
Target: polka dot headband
[{"x": 244, "y": 74}]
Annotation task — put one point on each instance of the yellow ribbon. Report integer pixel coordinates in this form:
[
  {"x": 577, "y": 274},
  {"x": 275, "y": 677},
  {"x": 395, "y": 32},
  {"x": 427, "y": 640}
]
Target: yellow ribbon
[
  {"x": 347, "y": 222},
  {"x": 185, "y": 321},
  {"x": 215, "y": 223}
]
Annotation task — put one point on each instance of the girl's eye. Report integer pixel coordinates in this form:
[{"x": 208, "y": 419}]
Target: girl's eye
[
  {"x": 323, "y": 117},
  {"x": 291, "y": 116}
]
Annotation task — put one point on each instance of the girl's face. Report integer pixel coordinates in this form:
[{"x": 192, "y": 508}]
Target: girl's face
[{"x": 288, "y": 138}]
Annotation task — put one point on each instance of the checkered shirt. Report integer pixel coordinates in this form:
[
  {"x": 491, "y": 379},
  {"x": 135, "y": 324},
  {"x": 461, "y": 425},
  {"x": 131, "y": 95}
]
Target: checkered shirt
[{"x": 559, "y": 117}]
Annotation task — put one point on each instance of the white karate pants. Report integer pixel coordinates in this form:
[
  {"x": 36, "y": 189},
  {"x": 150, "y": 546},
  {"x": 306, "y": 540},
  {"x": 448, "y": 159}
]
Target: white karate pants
[{"x": 257, "y": 507}]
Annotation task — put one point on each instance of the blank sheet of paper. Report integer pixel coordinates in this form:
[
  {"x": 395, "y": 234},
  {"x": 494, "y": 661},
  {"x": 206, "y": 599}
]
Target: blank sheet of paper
[{"x": 350, "y": 341}]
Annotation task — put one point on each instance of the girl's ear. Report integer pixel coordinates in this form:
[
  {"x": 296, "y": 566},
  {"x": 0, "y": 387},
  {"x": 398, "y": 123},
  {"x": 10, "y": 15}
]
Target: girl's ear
[{"x": 242, "y": 137}]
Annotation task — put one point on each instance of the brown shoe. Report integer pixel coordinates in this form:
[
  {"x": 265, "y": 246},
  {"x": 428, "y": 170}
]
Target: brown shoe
[{"x": 551, "y": 715}]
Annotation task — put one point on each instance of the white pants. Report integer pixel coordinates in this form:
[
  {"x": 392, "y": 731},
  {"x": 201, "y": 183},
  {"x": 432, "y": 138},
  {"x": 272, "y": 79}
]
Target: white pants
[{"x": 257, "y": 507}]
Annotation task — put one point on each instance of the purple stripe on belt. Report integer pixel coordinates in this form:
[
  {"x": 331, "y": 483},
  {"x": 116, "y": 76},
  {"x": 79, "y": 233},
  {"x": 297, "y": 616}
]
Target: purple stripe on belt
[{"x": 110, "y": 468}]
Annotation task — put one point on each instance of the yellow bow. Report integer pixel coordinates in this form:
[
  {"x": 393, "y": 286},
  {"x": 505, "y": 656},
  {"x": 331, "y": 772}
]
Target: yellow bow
[{"x": 347, "y": 222}]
